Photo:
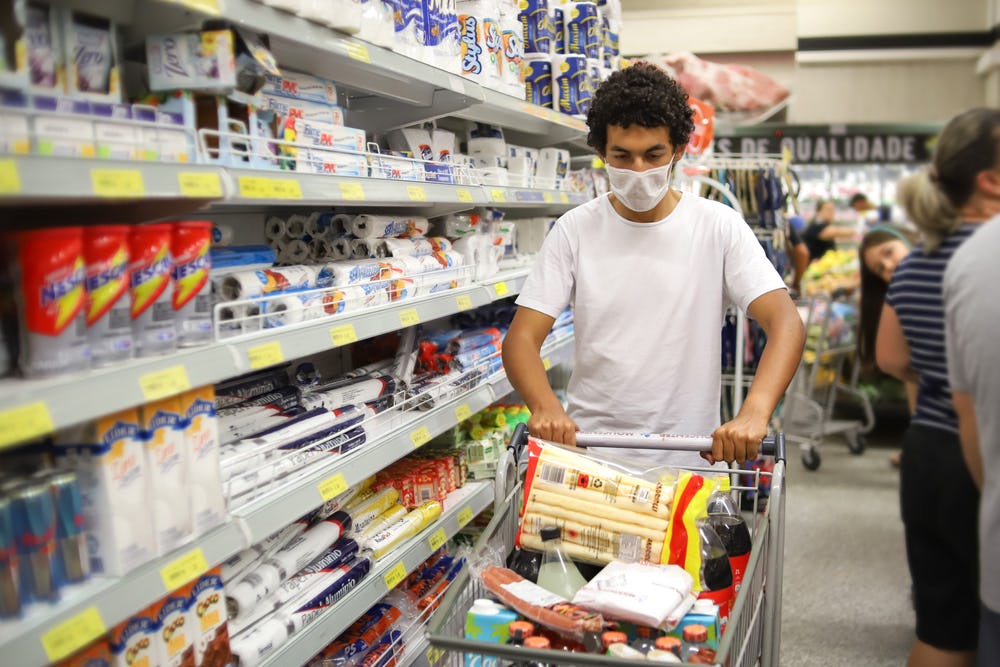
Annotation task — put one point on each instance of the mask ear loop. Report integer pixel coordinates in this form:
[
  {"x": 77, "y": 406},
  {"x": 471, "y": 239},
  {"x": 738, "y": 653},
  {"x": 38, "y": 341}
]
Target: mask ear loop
[{"x": 891, "y": 230}]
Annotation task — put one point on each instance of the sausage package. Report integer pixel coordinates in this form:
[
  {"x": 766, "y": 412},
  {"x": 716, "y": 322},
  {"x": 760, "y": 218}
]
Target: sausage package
[{"x": 606, "y": 511}]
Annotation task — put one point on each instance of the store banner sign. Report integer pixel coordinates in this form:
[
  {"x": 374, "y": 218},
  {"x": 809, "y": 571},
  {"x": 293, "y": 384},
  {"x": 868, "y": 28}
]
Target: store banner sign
[{"x": 835, "y": 149}]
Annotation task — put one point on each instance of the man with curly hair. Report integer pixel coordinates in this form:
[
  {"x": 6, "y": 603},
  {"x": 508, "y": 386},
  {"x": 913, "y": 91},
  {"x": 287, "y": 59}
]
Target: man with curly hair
[{"x": 650, "y": 271}]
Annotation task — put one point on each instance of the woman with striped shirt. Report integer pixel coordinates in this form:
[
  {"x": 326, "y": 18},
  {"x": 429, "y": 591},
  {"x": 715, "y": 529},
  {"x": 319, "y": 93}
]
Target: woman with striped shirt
[{"x": 939, "y": 501}]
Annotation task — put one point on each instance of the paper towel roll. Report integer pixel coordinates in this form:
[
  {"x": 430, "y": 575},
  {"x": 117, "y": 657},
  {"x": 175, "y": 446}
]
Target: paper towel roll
[
  {"x": 344, "y": 300},
  {"x": 295, "y": 252},
  {"x": 340, "y": 247},
  {"x": 481, "y": 41},
  {"x": 320, "y": 250},
  {"x": 222, "y": 234},
  {"x": 251, "y": 284},
  {"x": 296, "y": 226},
  {"x": 417, "y": 246},
  {"x": 292, "y": 309},
  {"x": 353, "y": 272},
  {"x": 239, "y": 319},
  {"x": 275, "y": 228},
  {"x": 318, "y": 224},
  {"x": 340, "y": 224},
  {"x": 382, "y": 226}
]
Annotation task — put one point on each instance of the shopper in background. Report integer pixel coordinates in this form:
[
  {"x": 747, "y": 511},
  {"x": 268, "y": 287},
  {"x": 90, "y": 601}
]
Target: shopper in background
[
  {"x": 864, "y": 209},
  {"x": 947, "y": 202},
  {"x": 821, "y": 234},
  {"x": 972, "y": 310},
  {"x": 798, "y": 253},
  {"x": 649, "y": 271}
]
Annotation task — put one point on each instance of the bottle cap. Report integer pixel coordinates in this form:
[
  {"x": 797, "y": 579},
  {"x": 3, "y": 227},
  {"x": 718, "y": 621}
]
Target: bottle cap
[
  {"x": 536, "y": 642},
  {"x": 521, "y": 630},
  {"x": 613, "y": 637},
  {"x": 484, "y": 606},
  {"x": 550, "y": 533},
  {"x": 671, "y": 644},
  {"x": 704, "y": 606},
  {"x": 695, "y": 633}
]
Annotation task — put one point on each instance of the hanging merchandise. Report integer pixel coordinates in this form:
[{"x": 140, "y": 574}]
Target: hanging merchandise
[{"x": 704, "y": 126}]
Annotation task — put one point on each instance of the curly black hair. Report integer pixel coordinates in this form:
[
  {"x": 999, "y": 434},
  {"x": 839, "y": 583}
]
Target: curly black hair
[{"x": 641, "y": 94}]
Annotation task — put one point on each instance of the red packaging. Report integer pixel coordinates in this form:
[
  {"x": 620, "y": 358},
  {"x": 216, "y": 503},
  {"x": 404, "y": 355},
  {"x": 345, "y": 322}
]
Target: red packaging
[
  {"x": 109, "y": 329},
  {"x": 151, "y": 266},
  {"x": 97, "y": 654},
  {"x": 192, "y": 300},
  {"x": 53, "y": 300}
]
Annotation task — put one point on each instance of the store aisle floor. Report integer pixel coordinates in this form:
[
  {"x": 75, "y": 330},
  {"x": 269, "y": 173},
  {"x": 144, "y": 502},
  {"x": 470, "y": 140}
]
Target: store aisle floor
[{"x": 846, "y": 585}]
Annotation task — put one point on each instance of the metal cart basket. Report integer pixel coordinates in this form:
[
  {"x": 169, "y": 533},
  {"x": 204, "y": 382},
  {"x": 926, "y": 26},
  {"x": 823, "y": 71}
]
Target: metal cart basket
[{"x": 753, "y": 636}]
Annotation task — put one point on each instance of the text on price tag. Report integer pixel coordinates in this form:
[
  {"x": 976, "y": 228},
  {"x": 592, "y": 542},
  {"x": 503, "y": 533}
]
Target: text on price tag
[
  {"x": 438, "y": 539},
  {"x": 463, "y": 412},
  {"x": 394, "y": 576},
  {"x": 434, "y": 655},
  {"x": 421, "y": 436},
  {"x": 25, "y": 422},
  {"x": 286, "y": 188},
  {"x": 72, "y": 635},
  {"x": 563, "y": 197},
  {"x": 463, "y": 301},
  {"x": 501, "y": 288},
  {"x": 117, "y": 182},
  {"x": 184, "y": 569},
  {"x": 352, "y": 191},
  {"x": 268, "y": 354},
  {"x": 332, "y": 486},
  {"x": 345, "y": 334},
  {"x": 409, "y": 317},
  {"x": 465, "y": 516},
  {"x": 357, "y": 51},
  {"x": 464, "y": 195},
  {"x": 167, "y": 382},
  {"x": 549, "y": 197},
  {"x": 10, "y": 180},
  {"x": 200, "y": 185},
  {"x": 498, "y": 195},
  {"x": 416, "y": 193},
  {"x": 546, "y": 363},
  {"x": 255, "y": 187}
]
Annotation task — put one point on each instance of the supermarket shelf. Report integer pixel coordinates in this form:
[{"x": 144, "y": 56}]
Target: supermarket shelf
[
  {"x": 540, "y": 200},
  {"x": 460, "y": 506},
  {"x": 50, "y": 632},
  {"x": 263, "y": 516},
  {"x": 555, "y": 353},
  {"x": 535, "y": 126},
  {"x": 30, "y": 406}
]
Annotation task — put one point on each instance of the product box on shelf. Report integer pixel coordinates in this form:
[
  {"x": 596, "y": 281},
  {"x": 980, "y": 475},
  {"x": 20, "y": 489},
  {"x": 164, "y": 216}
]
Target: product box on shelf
[
  {"x": 112, "y": 472},
  {"x": 93, "y": 65},
  {"x": 395, "y": 168},
  {"x": 97, "y": 654},
  {"x": 319, "y": 161},
  {"x": 136, "y": 641},
  {"x": 299, "y": 86},
  {"x": 285, "y": 108},
  {"x": 201, "y": 435},
  {"x": 114, "y": 140},
  {"x": 16, "y": 136},
  {"x": 208, "y": 602},
  {"x": 168, "y": 464},
  {"x": 45, "y": 72},
  {"x": 328, "y": 135},
  {"x": 65, "y": 127},
  {"x": 177, "y": 628},
  {"x": 210, "y": 60}
]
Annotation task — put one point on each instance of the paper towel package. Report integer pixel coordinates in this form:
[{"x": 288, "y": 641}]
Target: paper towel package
[{"x": 300, "y": 86}]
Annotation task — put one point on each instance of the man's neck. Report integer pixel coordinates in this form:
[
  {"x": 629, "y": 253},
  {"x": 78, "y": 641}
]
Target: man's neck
[{"x": 658, "y": 212}]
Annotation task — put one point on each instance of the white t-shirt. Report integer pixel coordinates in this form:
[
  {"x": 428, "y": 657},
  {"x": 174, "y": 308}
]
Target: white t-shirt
[{"x": 649, "y": 302}]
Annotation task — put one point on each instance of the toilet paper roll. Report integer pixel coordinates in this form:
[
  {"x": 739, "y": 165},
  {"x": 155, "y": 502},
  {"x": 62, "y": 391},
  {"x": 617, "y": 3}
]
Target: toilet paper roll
[
  {"x": 222, "y": 235},
  {"x": 582, "y": 29},
  {"x": 340, "y": 224},
  {"x": 443, "y": 144},
  {"x": 382, "y": 226},
  {"x": 417, "y": 246},
  {"x": 275, "y": 228},
  {"x": 320, "y": 250},
  {"x": 318, "y": 224},
  {"x": 251, "y": 284},
  {"x": 569, "y": 79},
  {"x": 352, "y": 272},
  {"x": 239, "y": 319},
  {"x": 537, "y": 23},
  {"x": 296, "y": 226},
  {"x": 537, "y": 71},
  {"x": 292, "y": 309},
  {"x": 344, "y": 299},
  {"x": 340, "y": 247},
  {"x": 481, "y": 41},
  {"x": 295, "y": 252}
]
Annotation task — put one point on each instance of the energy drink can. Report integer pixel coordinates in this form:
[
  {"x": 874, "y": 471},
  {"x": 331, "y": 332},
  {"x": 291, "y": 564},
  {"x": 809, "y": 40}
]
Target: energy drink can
[
  {"x": 71, "y": 559},
  {"x": 10, "y": 601},
  {"x": 34, "y": 519},
  {"x": 192, "y": 294},
  {"x": 151, "y": 266},
  {"x": 53, "y": 326},
  {"x": 109, "y": 325}
]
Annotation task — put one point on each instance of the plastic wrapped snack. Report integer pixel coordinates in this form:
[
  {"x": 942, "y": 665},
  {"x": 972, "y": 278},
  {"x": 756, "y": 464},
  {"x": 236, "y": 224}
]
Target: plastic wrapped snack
[{"x": 656, "y": 596}]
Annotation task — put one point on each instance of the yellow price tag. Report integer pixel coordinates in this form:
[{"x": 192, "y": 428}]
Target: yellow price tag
[
  {"x": 434, "y": 655},
  {"x": 546, "y": 363},
  {"x": 200, "y": 185},
  {"x": 24, "y": 423},
  {"x": 464, "y": 195},
  {"x": 465, "y": 516},
  {"x": 332, "y": 486},
  {"x": 184, "y": 569},
  {"x": 549, "y": 197},
  {"x": 463, "y": 301},
  {"x": 409, "y": 317},
  {"x": 357, "y": 51},
  {"x": 438, "y": 539},
  {"x": 117, "y": 182},
  {"x": 421, "y": 436},
  {"x": 563, "y": 197},
  {"x": 72, "y": 635},
  {"x": 10, "y": 180},
  {"x": 343, "y": 335},
  {"x": 501, "y": 288},
  {"x": 268, "y": 354},
  {"x": 255, "y": 187},
  {"x": 498, "y": 195},
  {"x": 352, "y": 191},
  {"x": 209, "y": 7},
  {"x": 416, "y": 193},
  {"x": 463, "y": 412},
  {"x": 164, "y": 383},
  {"x": 286, "y": 188},
  {"x": 394, "y": 576}
]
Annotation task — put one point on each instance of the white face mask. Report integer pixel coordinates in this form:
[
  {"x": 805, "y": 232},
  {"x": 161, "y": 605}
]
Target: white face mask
[{"x": 640, "y": 190}]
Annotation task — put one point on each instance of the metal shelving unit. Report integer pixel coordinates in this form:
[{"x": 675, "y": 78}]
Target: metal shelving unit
[{"x": 460, "y": 507}]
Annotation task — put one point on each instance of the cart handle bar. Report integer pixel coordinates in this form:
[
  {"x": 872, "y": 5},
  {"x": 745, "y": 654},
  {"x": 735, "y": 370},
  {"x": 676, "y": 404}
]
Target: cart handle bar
[{"x": 772, "y": 445}]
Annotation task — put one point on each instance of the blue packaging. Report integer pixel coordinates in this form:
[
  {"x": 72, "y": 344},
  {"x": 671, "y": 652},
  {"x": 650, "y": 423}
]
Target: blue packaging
[
  {"x": 34, "y": 520},
  {"x": 486, "y": 621},
  {"x": 572, "y": 88},
  {"x": 582, "y": 30},
  {"x": 71, "y": 560},
  {"x": 606, "y": 39},
  {"x": 538, "y": 80},
  {"x": 558, "y": 21},
  {"x": 537, "y": 26},
  {"x": 10, "y": 603}
]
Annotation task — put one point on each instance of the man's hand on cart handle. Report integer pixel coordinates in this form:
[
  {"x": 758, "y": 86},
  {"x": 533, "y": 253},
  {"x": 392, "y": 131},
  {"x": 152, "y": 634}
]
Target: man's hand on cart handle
[
  {"x": 738, "y": 440},
  {"x": 554, "y": 425}
]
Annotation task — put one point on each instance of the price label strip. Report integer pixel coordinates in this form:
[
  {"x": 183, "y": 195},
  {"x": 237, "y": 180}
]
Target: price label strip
[
  {"x": 25, "y": 422},
  {"x": 199, "y": 185},
  {"x": 465, "y": 516},
  {"x": 438, "y": 539},
  {"x": 10, "y": 180},
  {"x": 72, "y": 635},
  {"x": 395, "y": 576},
  {"x": 286, "y": 188},
  {"x": 546, "y": 363},
  {"x": 498, "y": 195},
  {"x": 421, "y": 436},
  {"x": 416, "y": 193},
  {"x": 463, "y": 412},
  {"x": 268, "y": 354},
  {"x": 352, "y": 191},
  {"x": 501, "y": 289},
  {"x": 117, "y": 183},
  {"x": 343, "y": 335},
  {"x": 255, "y": 187},
  {"x": 464, "y": 195},
  {"x": 409, "y": 317},
  {"x": 357, "y": 51},
  {"x": 184, "y": 569},
  {"x": 168, "y": 382},
  {"x": 463, "y": 301},
  {"x": 332, "y": 486}
]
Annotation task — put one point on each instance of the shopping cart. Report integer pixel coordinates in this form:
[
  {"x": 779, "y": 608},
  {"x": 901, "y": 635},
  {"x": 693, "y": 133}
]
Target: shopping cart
[
  {"x": 753, "y": 636},
  {"x": 806, "y": 415}
]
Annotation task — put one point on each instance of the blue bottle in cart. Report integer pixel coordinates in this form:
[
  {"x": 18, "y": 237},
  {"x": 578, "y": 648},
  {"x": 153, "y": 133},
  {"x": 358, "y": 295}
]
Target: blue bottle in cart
[{"x": 760, "y": 487}]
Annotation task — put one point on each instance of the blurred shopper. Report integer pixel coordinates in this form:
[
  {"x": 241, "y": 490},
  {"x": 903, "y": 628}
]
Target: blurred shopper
[
  {"x": 947, "y": 201},
  {"x": 821, "y": 234},
  {"x": 798, "y": 253}
]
